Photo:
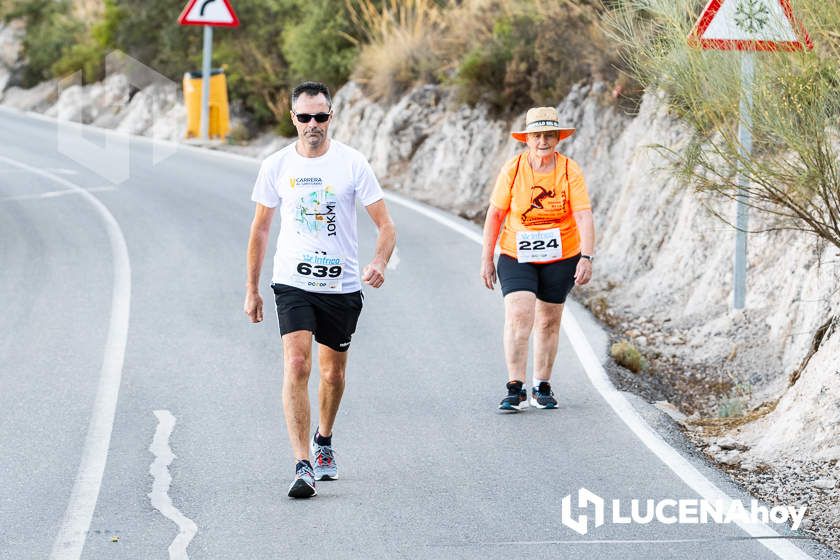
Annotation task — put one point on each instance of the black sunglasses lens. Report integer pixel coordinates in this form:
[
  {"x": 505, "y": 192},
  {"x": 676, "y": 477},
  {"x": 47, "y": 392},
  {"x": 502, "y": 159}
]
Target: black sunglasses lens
[{"x": 304, "y": 118}]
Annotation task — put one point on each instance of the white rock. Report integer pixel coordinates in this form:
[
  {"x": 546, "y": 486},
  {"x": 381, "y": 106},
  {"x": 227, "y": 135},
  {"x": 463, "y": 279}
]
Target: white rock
[
  {"x": 11, "y": 37},
  {"x": 732, "y": 458},
  {"x": 825, "y": 483},
  {"x": 729, "y": 442},
  {"x": 38, "y": 98}
]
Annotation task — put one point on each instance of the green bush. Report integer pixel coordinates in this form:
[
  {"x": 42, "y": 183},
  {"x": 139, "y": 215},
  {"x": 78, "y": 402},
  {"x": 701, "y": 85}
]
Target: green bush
[
  {"x": 317, "y": 46},
  {"x": 626, "y": 355},
  {"x": 521, "y": 54},
  {"x": 50, "y": 31},
  {"x": 792, "y": 172}
]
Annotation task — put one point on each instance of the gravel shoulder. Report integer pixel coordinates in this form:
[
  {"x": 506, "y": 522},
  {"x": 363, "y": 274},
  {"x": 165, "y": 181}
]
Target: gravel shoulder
[{"x": 704, "y": 405}]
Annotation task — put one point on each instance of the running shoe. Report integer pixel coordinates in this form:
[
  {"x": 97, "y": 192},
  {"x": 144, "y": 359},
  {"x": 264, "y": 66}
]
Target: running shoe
[
  {"x": 516, "y": 399},
  {"x": 303, "y": 486},
  {"x": 543, "y": 396},
  {"x": 324, "y": 467}
]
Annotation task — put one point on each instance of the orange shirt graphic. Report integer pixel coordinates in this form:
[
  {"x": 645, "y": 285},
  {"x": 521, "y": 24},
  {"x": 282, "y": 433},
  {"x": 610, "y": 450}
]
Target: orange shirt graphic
[{"x": 539, "y": 201}]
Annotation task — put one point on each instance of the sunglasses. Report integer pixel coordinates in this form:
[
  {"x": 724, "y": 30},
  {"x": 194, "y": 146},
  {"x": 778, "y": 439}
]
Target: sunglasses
[{"x": 304, "y": 118}]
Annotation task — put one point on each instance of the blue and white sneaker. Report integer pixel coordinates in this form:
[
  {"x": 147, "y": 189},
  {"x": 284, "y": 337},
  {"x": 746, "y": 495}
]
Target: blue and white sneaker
[
  {"x": 516, "y": 399},
  {"x": 542, "y": 396},
  {"x": 324, "y": 467},
  {"x": 303, "y": 486}
]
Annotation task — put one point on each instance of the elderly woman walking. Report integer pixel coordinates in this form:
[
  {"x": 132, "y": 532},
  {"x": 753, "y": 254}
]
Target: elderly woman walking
[{"x": 547, "y": 245}]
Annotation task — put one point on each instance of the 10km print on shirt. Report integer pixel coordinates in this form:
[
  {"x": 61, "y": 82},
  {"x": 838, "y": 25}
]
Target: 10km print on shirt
[{"x": 315, "y": 210}]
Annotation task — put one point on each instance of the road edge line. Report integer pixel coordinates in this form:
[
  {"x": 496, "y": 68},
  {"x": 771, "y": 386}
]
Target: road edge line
[
  {"x": 597, "y": 375},
  {"x": 70, "y": 541}
]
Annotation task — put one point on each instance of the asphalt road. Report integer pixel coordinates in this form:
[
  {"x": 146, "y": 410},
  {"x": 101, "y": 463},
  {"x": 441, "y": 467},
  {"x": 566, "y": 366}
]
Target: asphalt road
[{"x": 429, "y": 468}]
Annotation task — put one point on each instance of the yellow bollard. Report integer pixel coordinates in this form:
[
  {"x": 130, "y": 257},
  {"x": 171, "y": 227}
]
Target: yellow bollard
[{"x": 219, "y": 112}]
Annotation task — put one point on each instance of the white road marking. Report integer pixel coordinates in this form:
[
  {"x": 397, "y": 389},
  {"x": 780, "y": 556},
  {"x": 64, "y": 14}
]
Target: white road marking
[
  {"x": 625, "y": 411},
  {"x": 54, "y": 194},
  {"x": 615, "y": 541},
  {"x": 159, "y": 495},
  {"x": 57, "y": 171},
  {"x": 71, "y": 537}
]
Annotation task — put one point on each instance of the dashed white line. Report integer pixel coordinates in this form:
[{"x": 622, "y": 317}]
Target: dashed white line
[
  {"x": 160, "y": 487},
  {"x": 54, "y": 194},
  {"x": 57, "y": 171},
  {"x": 71, "y": 537}
]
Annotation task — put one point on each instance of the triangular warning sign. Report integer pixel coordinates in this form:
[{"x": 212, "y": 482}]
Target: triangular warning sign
[
  {"x": 209, "y": 12},
  {"x": 749, "y": 25}
]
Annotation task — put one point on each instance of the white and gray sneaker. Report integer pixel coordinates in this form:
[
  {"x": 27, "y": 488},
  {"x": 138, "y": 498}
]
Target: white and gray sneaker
[
  {"x": 303, "y": 486},
  {"x": 543, "y": 396},
  {"x": 324, "y": 467}
]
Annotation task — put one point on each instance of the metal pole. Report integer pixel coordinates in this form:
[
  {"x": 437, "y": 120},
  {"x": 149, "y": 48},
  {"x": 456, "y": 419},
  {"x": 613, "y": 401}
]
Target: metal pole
[
  {"x": 205, "y": 82},
  {"x": 745, "y": 151}
]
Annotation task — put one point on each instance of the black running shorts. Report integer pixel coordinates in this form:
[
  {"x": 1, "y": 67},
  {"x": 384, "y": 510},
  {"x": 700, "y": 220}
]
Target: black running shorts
[
  {"x": 551, "y": 282},
  {"x": 331, "y": 318}
]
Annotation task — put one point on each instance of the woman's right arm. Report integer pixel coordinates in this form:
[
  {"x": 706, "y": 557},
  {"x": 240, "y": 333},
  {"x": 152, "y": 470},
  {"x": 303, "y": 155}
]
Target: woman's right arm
[{"x": 492, "y": 224}]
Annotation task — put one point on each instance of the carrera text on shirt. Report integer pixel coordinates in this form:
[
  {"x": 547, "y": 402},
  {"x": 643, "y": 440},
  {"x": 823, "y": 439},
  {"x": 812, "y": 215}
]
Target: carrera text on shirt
[{"x": 317, "y": 248}]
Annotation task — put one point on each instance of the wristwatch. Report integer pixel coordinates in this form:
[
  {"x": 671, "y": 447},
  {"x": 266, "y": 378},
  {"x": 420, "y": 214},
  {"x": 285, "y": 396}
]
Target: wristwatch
[{"x": 590, "y": 258}]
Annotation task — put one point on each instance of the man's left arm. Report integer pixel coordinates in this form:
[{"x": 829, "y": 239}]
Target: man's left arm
[{"x": 386, "y": 240}]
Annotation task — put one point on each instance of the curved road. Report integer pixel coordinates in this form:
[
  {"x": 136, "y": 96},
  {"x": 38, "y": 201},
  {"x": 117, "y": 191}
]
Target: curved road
[{"x": 429, "y": 469}]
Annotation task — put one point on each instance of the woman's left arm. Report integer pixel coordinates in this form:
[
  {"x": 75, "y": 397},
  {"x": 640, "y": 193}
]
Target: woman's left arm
[{"x": 586, "y": 227}]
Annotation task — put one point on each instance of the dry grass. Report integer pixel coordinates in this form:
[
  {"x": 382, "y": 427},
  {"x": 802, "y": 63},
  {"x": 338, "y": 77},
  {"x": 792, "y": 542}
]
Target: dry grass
[
  {"x": 509, "y": 54},
  {"x": 399, "y": 44},
  {"x": 628, "y": 356},
  {"x": 720, "y": 426}
]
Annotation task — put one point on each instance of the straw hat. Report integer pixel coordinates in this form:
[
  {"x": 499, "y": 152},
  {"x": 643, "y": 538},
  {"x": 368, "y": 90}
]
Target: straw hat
[{"x": 542, "y": 119}]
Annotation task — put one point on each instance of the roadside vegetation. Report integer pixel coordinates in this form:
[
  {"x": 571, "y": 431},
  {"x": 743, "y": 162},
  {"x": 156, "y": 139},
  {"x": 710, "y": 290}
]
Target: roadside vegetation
[
  {"x": 794, "y": 175},
  {"x": 510, "y": 54}
]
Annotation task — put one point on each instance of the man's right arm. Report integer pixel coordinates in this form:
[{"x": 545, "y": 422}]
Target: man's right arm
[{"x": 257, "y": 243}]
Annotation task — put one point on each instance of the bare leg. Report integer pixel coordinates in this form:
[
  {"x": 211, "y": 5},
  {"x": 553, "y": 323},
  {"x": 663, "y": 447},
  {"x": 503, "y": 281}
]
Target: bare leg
[
  {"x": 546, "y": 337},
  {"x": 297, "y": 363},
  {"x": 519, "y": 319},
  {"x": 333, "y": 366}
]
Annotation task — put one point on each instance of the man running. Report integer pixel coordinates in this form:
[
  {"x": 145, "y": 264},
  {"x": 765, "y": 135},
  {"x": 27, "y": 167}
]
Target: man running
[{"x": 316, "y": 182}]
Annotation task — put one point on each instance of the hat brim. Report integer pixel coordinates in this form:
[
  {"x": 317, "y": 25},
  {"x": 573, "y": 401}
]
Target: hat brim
[{"x": 522, "y": 135}]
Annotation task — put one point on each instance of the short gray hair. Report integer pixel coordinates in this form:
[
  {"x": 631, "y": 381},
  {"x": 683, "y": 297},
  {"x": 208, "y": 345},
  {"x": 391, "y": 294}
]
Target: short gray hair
[{"x": 312, "y": 89}]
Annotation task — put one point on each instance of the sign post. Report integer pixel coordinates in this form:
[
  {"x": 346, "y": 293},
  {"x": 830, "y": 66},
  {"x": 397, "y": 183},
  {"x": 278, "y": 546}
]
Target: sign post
[
  {"x": 208, "y": 13},
  {"x": 747, "y": 26}
]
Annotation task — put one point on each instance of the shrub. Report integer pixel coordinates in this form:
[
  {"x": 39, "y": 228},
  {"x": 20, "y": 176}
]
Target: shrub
[
  {"x": 317, "y": 47},
  {"x": 50, "y": 30},
  {"x": 398, "y": 44},
  {"x": 626, "y": 355},
  {"x": 520, "y": 54},
  {"x": 793, "y": 173}
]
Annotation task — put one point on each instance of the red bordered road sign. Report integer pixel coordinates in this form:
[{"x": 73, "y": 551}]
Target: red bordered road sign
[
  {"x": 749, "y": 25},
  {"x": 218, "y": 13}
]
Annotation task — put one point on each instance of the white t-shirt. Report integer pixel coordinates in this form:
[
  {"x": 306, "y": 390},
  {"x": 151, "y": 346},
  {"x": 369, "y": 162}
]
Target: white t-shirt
[{"x": 317, "y": 249}]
